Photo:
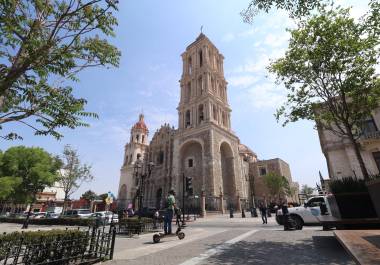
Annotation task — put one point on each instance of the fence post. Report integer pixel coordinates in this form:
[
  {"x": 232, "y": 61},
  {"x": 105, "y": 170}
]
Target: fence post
[{"x": 113, "y": 242}]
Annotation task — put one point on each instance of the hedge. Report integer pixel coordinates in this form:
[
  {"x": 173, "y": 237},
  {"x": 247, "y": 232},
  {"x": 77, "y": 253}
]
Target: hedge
[
  {"x": 57, "y": 221},
  {"x": 41, "y": 246}
]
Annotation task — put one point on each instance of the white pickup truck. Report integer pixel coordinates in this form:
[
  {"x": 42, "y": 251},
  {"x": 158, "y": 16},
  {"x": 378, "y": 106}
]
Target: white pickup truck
[{"x": 306, "y": 214}]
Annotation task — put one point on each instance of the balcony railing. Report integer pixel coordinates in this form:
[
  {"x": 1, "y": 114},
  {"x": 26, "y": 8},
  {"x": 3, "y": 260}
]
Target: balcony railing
[{"x": 371, "y": 135}]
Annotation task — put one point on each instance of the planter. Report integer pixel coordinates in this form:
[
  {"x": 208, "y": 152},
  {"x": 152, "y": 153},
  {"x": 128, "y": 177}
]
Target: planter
[
  {"x": 374, "y": 192},
  {"x": 334, "y": 208},
  {"x": 354, "y": 205}
]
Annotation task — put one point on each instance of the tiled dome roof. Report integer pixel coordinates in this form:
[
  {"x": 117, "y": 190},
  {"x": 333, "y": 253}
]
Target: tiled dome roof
[{"x": 141, "y": 124}]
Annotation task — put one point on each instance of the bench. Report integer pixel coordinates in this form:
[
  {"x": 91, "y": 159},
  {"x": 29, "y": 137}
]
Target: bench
[{"x": 362, "y": 245}]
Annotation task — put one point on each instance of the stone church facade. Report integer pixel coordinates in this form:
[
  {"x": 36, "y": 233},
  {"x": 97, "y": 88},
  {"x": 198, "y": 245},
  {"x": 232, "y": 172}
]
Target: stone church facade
[{"x": 203, "y": 147}]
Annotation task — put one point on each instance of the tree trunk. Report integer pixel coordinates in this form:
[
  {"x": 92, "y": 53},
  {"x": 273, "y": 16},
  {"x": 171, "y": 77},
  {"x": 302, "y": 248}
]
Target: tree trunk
[{"x": 358, "y": 154}]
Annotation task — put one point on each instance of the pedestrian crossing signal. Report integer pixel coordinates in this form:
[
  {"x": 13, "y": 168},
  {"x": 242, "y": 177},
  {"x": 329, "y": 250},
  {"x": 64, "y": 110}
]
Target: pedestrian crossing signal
[{"x": 189, "y": 186}]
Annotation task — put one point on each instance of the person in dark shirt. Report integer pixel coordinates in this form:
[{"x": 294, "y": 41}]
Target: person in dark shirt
[
  {"x": 285, "y": 215},
  {"x": 263, "y": 211}
]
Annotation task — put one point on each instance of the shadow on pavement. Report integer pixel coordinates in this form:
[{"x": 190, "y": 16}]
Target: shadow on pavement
[{"x": 318, "y": 250}]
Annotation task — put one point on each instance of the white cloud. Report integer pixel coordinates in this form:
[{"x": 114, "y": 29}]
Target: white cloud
[
  {"x": 243, "y": 81},
  {"x": 266, "y": 95},
  {"x": 228, "y": 37}
]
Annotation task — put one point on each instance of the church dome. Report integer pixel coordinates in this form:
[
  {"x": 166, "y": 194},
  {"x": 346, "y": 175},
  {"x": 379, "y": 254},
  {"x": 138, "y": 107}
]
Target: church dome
[{"x": 141, "y": 124}]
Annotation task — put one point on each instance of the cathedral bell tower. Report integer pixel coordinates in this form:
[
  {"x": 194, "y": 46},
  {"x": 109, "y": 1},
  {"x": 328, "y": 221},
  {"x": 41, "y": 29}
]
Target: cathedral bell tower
[
  {"x": 205, "y": 148},
  {"x": 203, "y": 87},
  {"x": 136, "y": 148}
]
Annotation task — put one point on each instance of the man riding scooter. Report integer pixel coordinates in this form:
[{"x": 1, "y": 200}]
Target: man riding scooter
[{"x": 169, "y": 212}]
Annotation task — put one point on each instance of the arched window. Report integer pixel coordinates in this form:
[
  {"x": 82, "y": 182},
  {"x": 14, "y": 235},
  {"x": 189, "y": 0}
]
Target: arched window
[
  {"x": 220, "y": 91},
  {"x": 126, "y": 160},
  {"x": 200, "y": 58},
  {"x": 200, "y": 85},
  {"x": 200, "y": 114},
  {"x": 187, "y": 119},
  {"x": 224, "y": 118},
  {"x": 214, "y": 112},
  {"x": 137, "y": 137},
  {"x": 130, "y": 159},
  {"x": 142, "y": 138},
  {"x": 188, "y": 92},
  {"x": 160, "y": 157},
  {"x": 190, "y": 66}
]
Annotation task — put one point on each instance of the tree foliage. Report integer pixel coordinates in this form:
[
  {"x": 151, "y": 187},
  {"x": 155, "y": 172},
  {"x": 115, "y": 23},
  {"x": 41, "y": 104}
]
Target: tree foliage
[
  {"x": 89, "y": 195},
  {"x": 295, "y": 8},
  {"x": 43, "y": 44},
  {"x": 26, "y": 171},
  {"x": 277, "y": 185},
  {"x": 72, "y": 173},
  {"x": 329, "y": 71},
  {"x": 307, "y": 190}
]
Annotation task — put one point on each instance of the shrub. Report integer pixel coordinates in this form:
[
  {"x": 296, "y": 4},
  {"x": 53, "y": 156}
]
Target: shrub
[
  {"x": 347, "y": 185},
  {"x": 57, "y": 221},
  {"x": 43, "y": 246}
]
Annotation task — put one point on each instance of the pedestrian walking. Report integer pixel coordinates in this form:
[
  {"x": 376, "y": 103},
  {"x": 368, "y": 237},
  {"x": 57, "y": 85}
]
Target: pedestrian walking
[
  {"x": 178, "y": 214},
  {"x": 169, "y": 212},
  {"x": 285, "y": 214},
  {"x": 263, "y": 211},
  {"x": 155, "y": 219}
]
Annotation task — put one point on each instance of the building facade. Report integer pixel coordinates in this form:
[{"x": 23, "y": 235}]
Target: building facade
[
  {"x": 340, "y": 155},
  {"x": 203, "y": 147},
  {"x": 279, "y": 167}
]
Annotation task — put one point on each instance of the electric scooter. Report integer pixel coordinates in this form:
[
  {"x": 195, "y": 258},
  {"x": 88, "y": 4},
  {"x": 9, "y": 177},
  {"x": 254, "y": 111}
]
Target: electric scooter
[{"x": 158, "y": 236}]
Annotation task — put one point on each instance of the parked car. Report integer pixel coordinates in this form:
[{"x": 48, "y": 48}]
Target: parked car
[
  {"x": 39, "y": 215},
  {"x": 306, "y": 214},
  {"x": 52, "y": 215},
  {"x": 77, "y": 213},
  {"x": 146, "y": 212},
  {"x": 106, "y": 217}
]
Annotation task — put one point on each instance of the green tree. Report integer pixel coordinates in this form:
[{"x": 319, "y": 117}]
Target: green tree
[
  {"x": 31, "y": 169},
  {"x": 43, "y": 44},
  {"x": 89, "y": 195},
  {"x": 329, "y": 71},
  {"x": 295, "y": 8},
  {"x": 307, "y": 190},
  {"x": 72, "y": 173},
  {"x": 277, "y": 185}
]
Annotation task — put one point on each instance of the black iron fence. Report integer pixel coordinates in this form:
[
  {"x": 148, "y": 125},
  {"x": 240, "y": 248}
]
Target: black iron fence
[
  {"x": 56, "y": 247},
  {"x": 137, "y": 226}
]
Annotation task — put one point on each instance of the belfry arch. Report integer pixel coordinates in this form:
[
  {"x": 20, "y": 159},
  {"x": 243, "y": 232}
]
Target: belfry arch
[
  {"x": 191, "y": 164},
  {"x": 228, "y": 173}
]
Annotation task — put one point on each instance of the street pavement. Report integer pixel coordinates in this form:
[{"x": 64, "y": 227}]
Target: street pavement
[{"x": 221, "y": 240}]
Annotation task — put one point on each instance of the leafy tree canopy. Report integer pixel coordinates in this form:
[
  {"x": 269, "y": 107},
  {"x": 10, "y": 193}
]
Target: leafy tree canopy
[
  {"x": 89, "y": 195},
  {"x": 72, "y": 173},
  {"x": 329, "y": 71},
  {"x": 43, "y": 44},
  {"x": 307, "y": 190},
  {"x": 276, "y": 184},
  {"x": 295, "y": 8},
  {"x": 26, "y": 171}
]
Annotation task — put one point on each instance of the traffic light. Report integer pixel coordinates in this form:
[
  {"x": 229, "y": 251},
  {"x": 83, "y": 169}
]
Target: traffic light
[{"x": 189, "y": 186}]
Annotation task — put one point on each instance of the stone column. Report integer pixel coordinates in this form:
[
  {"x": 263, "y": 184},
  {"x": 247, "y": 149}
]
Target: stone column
[
  {"x": 221, "y": 203},
  {"x": 238, "y": 204},
  {"x": 203, "y": 204}
]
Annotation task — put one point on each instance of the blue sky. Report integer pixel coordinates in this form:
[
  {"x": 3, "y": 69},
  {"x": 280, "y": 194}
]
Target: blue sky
[{"x": 151, "y": 36}]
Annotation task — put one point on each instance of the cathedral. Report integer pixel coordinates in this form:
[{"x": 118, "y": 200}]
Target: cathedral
[{"x": 203, "y": 147}]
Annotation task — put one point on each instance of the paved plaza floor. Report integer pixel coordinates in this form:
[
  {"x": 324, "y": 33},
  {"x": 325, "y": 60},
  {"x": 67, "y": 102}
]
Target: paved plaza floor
[{"x": 221, "y": 240}]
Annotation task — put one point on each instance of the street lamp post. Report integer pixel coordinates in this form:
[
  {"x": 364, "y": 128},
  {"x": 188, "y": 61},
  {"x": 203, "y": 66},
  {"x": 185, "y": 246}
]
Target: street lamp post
[{"x": 138, "y": 169}]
